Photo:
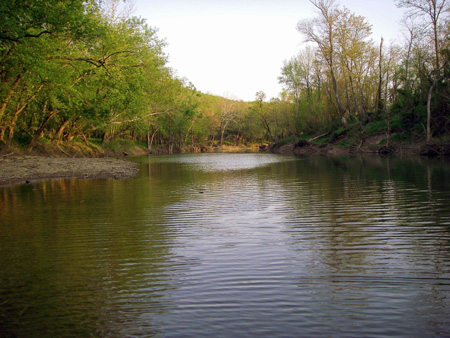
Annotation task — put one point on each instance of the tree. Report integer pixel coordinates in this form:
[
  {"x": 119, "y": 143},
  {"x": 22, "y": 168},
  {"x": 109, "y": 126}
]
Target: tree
[
  {"x": 264, "y": 115},
  {"x": 433, "y": 12},
  {"x": 74, "y": 68},
  {"x": 353, "y": 50},
  {"x": 228, "y": 112},
  {"x": 297, "y": 77},
  {"x": 30, "y": 32},
  {"x": 22, "y": 20},
  {"x": 322, "y": 31}
]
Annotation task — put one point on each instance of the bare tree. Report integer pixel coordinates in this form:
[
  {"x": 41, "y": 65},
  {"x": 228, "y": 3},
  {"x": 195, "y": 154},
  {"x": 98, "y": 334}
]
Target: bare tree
[
  {"x": 228, "y": 112},
  {"x": 116, "y": 10},
  {"x": 411, "y": 35}
]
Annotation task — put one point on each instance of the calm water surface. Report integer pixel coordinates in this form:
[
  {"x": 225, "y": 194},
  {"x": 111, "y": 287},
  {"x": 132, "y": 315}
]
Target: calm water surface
[{"x": 231, "y": 245}]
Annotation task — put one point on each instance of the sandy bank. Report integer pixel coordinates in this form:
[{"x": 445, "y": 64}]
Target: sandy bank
[{"x": 20, "y": 169}]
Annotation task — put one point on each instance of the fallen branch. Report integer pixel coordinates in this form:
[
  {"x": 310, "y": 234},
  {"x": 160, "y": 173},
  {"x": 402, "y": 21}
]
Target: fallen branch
[{"x": 317, "y": 137}]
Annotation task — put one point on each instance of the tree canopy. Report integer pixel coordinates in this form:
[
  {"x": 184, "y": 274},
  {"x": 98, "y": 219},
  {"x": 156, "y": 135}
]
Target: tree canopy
[{"x": 80, "y": 70}]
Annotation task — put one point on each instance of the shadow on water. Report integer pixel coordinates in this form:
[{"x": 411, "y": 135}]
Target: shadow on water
[
  {"x": 231, "y": 245},
  {"x": 71, "y": 251}
]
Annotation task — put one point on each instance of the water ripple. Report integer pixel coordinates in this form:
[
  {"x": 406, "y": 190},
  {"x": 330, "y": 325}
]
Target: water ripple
[{"x": 232, "y": 246}]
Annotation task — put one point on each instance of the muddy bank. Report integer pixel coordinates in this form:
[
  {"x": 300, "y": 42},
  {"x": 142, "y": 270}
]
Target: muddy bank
[
  {"x": 78, "y": 161},
  {"x": 163, "y": 150},
  {"x": 23, "y": 169},
  {"x": 293, "y": 149},
  {"x": 305, "y": 148}
]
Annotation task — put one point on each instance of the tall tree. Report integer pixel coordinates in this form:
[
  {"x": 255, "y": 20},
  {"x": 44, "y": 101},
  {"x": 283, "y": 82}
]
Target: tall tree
[
  {"x": 298, "y": 76},
  {"x": 228, "y": 112},
  {"x": 260, "y": 109},
  {"x": 353, "y": 49},
  {"x": 292, "y": 75},
  {"x": 433, "y": 12},
  {"x": 322, "y": 31},
  {"x": 30, "y": 31}
]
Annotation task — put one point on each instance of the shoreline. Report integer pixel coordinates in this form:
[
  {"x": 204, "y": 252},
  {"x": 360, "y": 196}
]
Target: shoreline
[
  {"x": 51, "y": 163},
  {"x": 21, "y": 169},
  {"x": 430, "y": 150},
  {"x": 16, "y": 168}
]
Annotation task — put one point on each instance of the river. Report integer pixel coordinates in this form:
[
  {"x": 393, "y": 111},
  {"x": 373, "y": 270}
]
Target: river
[{"x": 231, "y": 245}]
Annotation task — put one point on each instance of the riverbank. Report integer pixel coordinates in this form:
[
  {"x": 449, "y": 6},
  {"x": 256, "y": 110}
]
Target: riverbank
[
  {"x": 27, "y": 168},
  {"x": 77, "y": 161},
  {"x": 313, "y": 149},
  {"x": 80, "y": 161},
  {"x": 438, "y": 148}
]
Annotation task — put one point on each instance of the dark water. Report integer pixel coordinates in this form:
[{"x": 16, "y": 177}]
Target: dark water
[{"x": 231, "y": 245}]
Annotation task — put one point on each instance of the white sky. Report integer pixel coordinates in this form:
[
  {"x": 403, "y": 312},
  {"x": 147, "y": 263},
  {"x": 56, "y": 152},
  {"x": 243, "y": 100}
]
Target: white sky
[{"x": 235, "y": 48}]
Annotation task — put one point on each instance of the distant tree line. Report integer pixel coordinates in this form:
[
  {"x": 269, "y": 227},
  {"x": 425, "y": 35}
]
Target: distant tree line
[{"x": 88, "y": 70}]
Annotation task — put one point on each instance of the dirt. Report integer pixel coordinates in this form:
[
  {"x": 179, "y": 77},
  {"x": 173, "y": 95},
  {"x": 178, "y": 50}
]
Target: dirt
[
  {"x": 292, "y": 149},
  {"x": 371, "y": 146},
  {"x": 26, "y": 169}
]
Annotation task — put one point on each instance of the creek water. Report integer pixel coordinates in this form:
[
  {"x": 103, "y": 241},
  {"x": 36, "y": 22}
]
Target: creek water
[{"x": 231, "y": 245}]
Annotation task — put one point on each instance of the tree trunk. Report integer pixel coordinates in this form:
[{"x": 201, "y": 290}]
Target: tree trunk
[
  {"x": 388, "y": 126},
  {"x": 104, "y": 136},
  {"x": 222, "y": 131},
  {"x": 336, "y": 96},
  {"x": 62, "y": 127},
  {"x": 41, "y": 128},
  {"x": 17, "y": 112},
  {"x": 267, "y": 127},
  {"x": 430, "y": 94},
  {"x": 355, "y": 98},
  {"x": 221, "y": 136},
  {"x": 380, "y": 79},
  {"x": 10, "y": 94},
  {"x": 152, "y": 138}
]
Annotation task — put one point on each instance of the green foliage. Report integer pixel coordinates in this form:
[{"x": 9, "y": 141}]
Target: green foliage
[
  {"x": 402, "y": 137},
  {"x": 32, "y": 19},
  {"x": 69, "y": 69},
  {"x": 375, "y": 127},
  {"x": 22, "y": 140}
]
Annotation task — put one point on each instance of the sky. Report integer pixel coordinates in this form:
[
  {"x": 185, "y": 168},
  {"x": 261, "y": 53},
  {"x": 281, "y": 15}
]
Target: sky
[{"x": 235, "y": 48}]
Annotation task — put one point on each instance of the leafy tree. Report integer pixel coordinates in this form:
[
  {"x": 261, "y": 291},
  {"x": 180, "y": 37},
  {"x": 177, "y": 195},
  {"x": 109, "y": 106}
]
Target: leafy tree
[
  {"x": 354, "y": 51},
  {"x": 322, "y": 31}
]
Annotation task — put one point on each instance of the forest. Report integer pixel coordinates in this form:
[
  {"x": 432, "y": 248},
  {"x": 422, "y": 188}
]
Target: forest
[{"x": 76, "y": 71}]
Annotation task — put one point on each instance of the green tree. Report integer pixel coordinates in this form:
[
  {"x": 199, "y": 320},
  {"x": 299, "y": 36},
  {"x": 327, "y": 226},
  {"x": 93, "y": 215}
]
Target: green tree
[
  {"x": 354, "y": 51},
  {"x": 322, "y": 31}
]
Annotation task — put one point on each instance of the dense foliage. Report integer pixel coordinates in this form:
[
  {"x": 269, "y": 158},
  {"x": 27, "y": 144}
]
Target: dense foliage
[
  {"x": 73, "y": 69},
  {"x": 344, "y": 80}
]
